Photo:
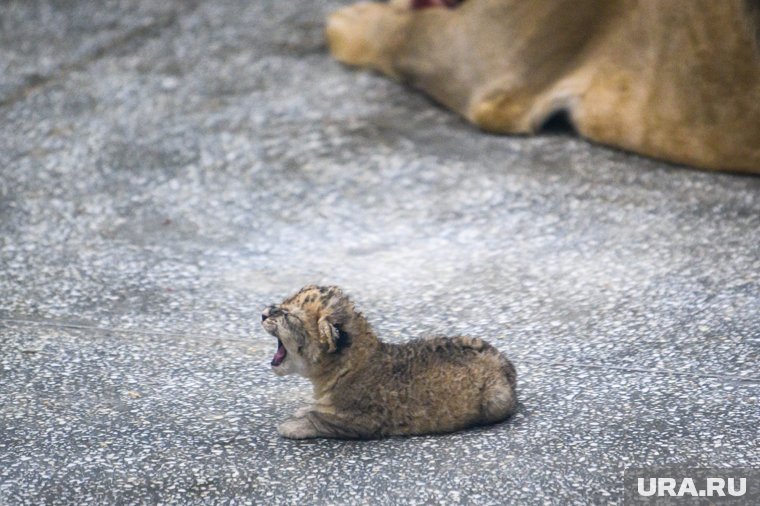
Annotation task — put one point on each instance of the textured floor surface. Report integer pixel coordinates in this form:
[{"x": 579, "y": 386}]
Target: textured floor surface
[{"x": 169, "y": 168}]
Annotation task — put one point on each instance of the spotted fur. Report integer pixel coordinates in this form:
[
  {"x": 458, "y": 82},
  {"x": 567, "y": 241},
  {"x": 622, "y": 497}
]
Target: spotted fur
[{"x": 365, "y": 388}]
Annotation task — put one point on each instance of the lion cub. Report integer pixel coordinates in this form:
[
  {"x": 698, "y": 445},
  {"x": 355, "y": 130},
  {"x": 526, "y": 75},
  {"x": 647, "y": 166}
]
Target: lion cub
[{"x": 365, "y": 388}]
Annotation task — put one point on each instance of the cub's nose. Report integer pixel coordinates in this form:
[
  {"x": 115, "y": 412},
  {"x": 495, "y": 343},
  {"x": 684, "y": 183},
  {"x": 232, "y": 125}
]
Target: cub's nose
[{"x": 268, "y": 312}]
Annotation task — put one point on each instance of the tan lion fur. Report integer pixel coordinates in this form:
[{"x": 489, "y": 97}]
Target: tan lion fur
[
  {"x": 677, "y": 80},
  {"x": 365, "y": 388}
]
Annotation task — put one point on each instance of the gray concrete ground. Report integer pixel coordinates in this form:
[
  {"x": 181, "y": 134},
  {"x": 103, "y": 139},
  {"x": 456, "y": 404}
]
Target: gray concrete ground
[{"x": 169, "y": 168}]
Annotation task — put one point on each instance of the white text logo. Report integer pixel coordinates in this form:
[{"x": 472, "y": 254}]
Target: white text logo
[{"x": 714, "y": 487}]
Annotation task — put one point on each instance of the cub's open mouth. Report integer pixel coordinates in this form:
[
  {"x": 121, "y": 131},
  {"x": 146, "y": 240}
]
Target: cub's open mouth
[{"x": 280, "y": 355}]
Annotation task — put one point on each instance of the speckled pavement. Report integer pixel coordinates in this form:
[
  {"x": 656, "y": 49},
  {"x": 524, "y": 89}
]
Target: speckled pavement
[{"x": 169, "y": 168}]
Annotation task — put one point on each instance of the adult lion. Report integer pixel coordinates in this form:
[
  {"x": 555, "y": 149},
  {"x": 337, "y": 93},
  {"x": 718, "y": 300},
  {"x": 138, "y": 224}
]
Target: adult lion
[{"x": 673, "y": 79}]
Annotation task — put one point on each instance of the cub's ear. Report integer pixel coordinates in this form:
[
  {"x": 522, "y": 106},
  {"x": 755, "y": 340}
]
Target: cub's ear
[{"x": 329, "y": 335}]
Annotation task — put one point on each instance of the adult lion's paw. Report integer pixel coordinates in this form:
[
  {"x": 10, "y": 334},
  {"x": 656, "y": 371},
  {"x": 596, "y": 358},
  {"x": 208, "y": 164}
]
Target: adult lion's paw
[{"x": 364, "y": 35}]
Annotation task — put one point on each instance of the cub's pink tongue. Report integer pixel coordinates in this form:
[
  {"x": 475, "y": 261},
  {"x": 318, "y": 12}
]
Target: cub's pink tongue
[{"x": 280, "y": 355}]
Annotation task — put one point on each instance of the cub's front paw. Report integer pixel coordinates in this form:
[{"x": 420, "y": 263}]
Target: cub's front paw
[
  {"x": 302, "y": 411},
  {"x": 297, "y": 428}
]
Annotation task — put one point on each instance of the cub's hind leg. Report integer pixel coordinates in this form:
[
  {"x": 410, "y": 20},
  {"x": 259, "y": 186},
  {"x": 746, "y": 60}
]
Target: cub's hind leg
[
  {"x": 499, "y": 403},
  {"x": 499, "y": 396}
]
